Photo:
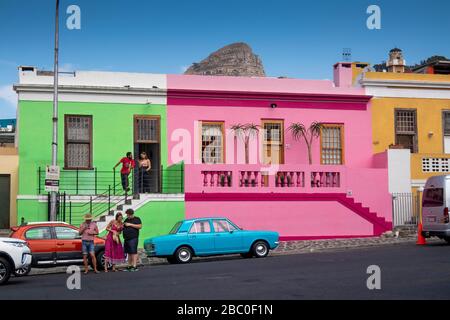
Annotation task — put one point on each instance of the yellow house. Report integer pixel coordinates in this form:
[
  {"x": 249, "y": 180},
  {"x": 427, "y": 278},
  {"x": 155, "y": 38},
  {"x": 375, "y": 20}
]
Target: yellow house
[
  {"x": 412, "y": 111},
  {"x": 9, "y": 167}
]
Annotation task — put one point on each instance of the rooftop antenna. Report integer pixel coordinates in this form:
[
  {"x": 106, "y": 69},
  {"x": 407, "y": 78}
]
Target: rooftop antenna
[{"x": 347, "y": 54}]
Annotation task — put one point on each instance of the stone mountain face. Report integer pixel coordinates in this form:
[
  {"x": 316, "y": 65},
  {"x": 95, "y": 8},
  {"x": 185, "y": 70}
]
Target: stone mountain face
[{"x": 236, "y": 59}]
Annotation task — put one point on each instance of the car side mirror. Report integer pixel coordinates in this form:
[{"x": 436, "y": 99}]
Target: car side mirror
[{"x": 231, "y": 231}]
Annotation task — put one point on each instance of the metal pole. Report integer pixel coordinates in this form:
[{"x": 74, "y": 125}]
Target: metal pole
[{"x": 55, "y": 112}]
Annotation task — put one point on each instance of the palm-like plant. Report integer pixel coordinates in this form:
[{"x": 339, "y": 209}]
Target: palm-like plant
[
  {"x": 245, "y": 132},
  {"x": 299, "y": 131}
]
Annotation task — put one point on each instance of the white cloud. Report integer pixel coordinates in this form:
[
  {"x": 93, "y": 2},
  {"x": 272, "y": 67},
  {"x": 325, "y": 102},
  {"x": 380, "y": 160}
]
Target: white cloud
[
  {"x": 184, "y": 68},
  {"x": 7, "y": 94}
]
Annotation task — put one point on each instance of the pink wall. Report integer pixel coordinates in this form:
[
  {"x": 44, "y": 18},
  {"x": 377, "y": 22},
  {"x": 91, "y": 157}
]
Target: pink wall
[
  {"x": 343, "y": 74},
  {"x": 291, "y": 219},
  {"x": 257, "y": 84},
  {"x": 357, "y": 129},
  {"x": 348, "y": 106}
]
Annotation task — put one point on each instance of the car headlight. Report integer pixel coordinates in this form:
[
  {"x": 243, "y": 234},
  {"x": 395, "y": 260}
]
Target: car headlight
[{"x": 16, "y": 244}]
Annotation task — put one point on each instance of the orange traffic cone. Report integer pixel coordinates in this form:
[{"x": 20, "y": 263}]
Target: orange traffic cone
[{"x": 420, "y": 238}]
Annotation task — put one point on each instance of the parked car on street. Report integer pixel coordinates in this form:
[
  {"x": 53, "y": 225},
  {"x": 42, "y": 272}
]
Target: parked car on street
[
  {"x": 207, "y": 237},
  {"x": 55, "y": 244},
  {"x": 435, "y": 205},
  {"x": 14, "y": 255}
]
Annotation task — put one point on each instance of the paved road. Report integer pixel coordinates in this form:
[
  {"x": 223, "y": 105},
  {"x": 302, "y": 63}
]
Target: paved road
[{"x": 407, "y": 272}]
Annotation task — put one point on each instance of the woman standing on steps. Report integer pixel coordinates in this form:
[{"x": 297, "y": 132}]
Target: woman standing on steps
[
  {"x": 145, "y": 166},
  {"x": 113, "y": 247}
]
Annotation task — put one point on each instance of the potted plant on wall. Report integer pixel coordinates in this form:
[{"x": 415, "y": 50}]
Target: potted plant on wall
[
  {"x": 246, "y": 132},
  {"x": 299, "y": 131}
]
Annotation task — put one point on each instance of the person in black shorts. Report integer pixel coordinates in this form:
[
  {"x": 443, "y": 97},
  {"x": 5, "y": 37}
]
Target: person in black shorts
[{"x": 131, "y": 228}]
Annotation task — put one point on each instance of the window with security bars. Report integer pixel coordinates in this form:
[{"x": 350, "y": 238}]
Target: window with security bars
[
  {"x": 78, "y": 142},
  {"x": 331, "y": 148},
  {"x": 406, "y": 129},
  {"x": 147, "y": 130},
  {"x": 212, "y": 142},
  {"x": 273, "y": 142},
  {"x": 446, "y": 128}
]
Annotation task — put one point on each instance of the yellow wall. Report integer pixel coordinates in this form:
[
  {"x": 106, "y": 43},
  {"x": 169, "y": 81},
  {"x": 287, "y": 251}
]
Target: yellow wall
[
  {"x": 9, "y": 164},
  {"x": 429, "y": 119},
  {"x": 407, "y": 76}
]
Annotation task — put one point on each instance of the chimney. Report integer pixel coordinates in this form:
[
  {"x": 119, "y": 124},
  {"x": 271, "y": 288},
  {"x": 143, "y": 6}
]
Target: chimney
[{"x": 343, "y": 74}]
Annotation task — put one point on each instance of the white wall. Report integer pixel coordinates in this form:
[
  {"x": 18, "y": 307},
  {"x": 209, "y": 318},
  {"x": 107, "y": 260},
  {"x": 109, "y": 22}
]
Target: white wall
[{"x": 399, "y": 169}]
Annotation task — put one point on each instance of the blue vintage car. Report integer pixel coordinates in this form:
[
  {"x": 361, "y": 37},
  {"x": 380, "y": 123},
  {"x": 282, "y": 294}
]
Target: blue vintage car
[{"x": 207, "y": 237}]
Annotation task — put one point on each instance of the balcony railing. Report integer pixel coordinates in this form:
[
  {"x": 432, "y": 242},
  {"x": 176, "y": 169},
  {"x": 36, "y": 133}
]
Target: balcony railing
[
  {"x": 96, "y": 182},
  {"x": 243, "y": 178}
]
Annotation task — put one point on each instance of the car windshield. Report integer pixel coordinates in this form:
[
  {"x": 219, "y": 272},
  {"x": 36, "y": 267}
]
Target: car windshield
[{"x": 175, "y": 227}]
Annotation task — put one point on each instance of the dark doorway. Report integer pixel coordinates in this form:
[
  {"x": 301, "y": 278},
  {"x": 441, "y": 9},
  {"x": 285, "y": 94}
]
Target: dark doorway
[
  {"x": 147, "y": 139},
  {"x": 5, "y": 205}
]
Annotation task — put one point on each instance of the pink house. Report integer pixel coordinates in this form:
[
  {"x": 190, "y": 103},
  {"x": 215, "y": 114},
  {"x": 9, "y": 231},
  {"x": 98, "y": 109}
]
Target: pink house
[{"x": 343, "y": 193}]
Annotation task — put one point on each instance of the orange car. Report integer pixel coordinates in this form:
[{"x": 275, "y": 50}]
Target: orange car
[{"x": 55, "y": 243}]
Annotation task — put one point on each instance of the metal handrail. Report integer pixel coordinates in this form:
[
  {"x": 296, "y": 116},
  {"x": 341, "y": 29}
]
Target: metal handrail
[
  {"x": 96, "y": 182},
  {"x": 103, "y": 202}
]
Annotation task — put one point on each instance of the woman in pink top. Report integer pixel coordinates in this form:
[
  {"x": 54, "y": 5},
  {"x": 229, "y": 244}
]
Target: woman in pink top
[{"x": 113, "y": 247}]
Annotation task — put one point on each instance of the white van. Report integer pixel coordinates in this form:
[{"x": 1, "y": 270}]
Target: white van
[{"x": 435, "y": 205}]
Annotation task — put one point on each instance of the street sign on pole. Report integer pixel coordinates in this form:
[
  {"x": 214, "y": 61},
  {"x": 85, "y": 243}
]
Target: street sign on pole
[
  {"x": 55, "y": 114},
  {"x": 52, "y": 175}
]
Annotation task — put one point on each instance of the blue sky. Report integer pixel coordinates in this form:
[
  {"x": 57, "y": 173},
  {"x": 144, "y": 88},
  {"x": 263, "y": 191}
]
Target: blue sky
[{"x": 294, "y": 38}]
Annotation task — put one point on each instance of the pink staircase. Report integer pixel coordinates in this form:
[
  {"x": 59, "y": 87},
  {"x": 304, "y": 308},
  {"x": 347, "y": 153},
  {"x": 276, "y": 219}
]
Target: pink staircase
[{"x": 380, "y": 224}]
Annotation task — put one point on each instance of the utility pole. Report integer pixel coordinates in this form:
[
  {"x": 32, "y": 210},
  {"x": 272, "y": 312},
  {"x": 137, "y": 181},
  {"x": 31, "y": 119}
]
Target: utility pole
[{"x": 53, "y": 194}]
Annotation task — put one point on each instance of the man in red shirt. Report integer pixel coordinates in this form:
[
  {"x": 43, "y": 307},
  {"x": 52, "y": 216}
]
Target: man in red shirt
[{"x": 127, "y": 165}]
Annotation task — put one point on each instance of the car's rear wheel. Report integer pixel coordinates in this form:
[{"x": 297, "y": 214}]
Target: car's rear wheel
[
  {"x": 5, "y": 271},
  {"x": 22, "y": 272},
  {"x": 260, "y": 249},
  {"x": 183, "y": 255}
]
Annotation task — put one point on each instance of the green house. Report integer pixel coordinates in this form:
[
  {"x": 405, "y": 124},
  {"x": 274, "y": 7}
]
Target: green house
[{"x": 101, "y": 117}]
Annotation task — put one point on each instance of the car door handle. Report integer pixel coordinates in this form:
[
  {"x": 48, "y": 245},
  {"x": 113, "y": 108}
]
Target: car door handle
[
  {"x": 217, "y": 234},
  {"x": 192, "y": 237},
  {"x": 60, "y": 243}
]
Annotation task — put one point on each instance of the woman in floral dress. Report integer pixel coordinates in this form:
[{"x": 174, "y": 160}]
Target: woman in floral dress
[{"x": 113, "y": 247}]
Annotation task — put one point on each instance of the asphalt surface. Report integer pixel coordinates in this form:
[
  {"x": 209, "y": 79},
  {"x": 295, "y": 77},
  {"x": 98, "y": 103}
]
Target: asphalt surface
[{"x": 407, "y": 272}]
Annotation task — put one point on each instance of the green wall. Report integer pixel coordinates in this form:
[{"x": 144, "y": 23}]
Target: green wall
[
  {"x": 158, "y": 218},
  {"x": 112, "y": 135},
  {"x": 31, "y": 210}
]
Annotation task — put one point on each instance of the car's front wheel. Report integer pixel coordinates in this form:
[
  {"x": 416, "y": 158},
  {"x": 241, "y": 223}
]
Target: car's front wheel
[
  {"x": 260, "y": 249},
  {"x": 5, "y": 271},
  {"x": 22, "y": 272},
  {"x": 183, "y": 255}
]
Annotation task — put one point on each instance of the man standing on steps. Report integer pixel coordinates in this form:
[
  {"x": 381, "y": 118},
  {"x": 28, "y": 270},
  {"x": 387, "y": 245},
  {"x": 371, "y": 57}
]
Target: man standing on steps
[
  {"x": 127, "y": 164},
  {"x": 132, "y": 225}
]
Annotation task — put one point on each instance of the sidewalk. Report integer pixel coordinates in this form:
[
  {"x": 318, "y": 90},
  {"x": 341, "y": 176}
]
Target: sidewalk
[{"x": 285, "y": 248}]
